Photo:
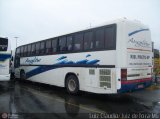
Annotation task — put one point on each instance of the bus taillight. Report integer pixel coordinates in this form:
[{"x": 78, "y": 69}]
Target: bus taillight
[{"x": 123, "y": 74}]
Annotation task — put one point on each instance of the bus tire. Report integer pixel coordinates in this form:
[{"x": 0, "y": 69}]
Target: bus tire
[
  {"x": 72, "y": 84},
  {"x": 22, "y": 75}
]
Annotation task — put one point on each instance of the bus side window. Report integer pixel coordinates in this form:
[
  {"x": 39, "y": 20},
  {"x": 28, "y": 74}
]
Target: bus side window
[
  {"x": 78, "y": 42},
  {"x": 29, "y": 50},
  {"x": 3, "y": 44},
  {"x": 99, "y": 38},
  {"x": 21, "y": 51},
  {"x": 18, "y": 52},
  {"x": 48, "y": 46},
  {"x": 62, "y": 43},
  {"x": 25, "y": 50},
  {"x": 33, "y": 49},
  {"x": 69, "y": 43},
  {"x": 54, "y": 45},
  {"x": 110, "y": 41},
  {"x": 88, "y": 40},
  {"x": 37, "y": 48},
  {"x": 42, "y": 47}
]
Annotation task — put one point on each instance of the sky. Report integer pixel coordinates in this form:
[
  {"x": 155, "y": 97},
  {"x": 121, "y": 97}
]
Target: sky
[{"x": 34, "y": 20}]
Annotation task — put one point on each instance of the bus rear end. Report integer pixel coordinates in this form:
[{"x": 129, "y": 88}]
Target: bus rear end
[
  {"x": 136, "y": 74},
  {"x": 5, "y": 55}
]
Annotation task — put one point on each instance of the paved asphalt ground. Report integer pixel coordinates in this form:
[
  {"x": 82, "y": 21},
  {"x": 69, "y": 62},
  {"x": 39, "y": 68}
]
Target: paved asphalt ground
[{"x": 27, "y": 100}]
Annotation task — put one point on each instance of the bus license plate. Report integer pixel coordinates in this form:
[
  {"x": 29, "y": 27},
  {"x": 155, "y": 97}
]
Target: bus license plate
[{"x": 141, "y": 86}]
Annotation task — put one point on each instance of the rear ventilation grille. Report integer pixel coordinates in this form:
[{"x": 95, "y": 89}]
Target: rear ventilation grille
[
  {"x": 105, "y": 72},
  {"x": 105, "y": 78},
  {"x": 91, "y": 72}
]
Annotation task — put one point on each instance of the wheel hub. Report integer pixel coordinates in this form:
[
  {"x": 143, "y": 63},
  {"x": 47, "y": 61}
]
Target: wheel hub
[{"x": 71, "y": 85}]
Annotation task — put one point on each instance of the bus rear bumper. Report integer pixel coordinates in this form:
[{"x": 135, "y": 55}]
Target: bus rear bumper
[
  {"x": 133, "y": 85},
  {"x": 5, "y": 77}
]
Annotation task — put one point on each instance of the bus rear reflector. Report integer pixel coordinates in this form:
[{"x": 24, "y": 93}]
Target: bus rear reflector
[{"x": 123, "y": 74}]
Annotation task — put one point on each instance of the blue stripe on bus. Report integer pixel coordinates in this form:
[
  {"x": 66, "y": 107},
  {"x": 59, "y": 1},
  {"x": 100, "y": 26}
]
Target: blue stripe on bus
[
  {"x": 61, "y": 58},
  {"x": 4, "y": 57},
  {"x": 137, "y": 31},
  {"x": 92, "y": 61},
  {"x": 44, "y": 68},
  {"x": 82, "y": 61},
  {"x": 39, "y": 70},
  {"x": 133, "y": 87},
  {"x": 63, "y": 63}
]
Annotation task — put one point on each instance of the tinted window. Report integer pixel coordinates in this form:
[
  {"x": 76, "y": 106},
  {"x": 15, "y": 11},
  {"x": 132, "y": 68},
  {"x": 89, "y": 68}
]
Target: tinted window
[
  {"x": 25, "y": 50},
  {"x": 42, "y": 47},
  {"x": 110, "y": 42},
  {"x": 48, "y": 46},
  {"x": 88, "y": 40},
  {"x": 3, "y": 44},
  {"x": 69, "y": 43},
  {"x": 17, "y": 51},
  {"x": 99, "y": 38},
  {"x": 21, "y": 50},
  {"x": 78, "y": 42},
  {"x": 33, "y": 49},
  {"x": 54, "y": 45},
  {"x": 62, "y": 43},
  {"x": 29, "y": 50},
  {"x": 37, "y": 48}
]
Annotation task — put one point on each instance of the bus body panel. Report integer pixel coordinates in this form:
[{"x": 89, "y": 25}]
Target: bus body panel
[
  {"x": 88, "y": 82},
  {"x": 60, "y": 66},
  {"x": 5, "y": 55},
  {"x": 138, "y": 57}
]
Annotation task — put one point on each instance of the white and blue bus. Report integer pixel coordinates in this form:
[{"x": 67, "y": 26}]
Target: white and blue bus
[
  {"x": 112, "y": 58},
  {"x": 5, "y": 56}
]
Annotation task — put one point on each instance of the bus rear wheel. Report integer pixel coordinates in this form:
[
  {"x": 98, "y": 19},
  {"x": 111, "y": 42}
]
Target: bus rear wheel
[{"x": 72, "y": 84}]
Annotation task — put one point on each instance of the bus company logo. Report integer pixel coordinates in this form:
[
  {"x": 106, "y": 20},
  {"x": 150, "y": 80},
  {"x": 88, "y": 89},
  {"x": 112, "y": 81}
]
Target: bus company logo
[
  {"x": 143, "y": 43},
  {"x": 31, "y": 61}
]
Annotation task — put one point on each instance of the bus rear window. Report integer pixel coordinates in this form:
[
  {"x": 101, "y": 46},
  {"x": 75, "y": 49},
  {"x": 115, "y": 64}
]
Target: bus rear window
[{"x": 3, "y": 44}]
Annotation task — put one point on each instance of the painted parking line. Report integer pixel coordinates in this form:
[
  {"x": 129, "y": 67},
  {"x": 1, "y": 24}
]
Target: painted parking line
[{"x": 60, "y": 100}]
